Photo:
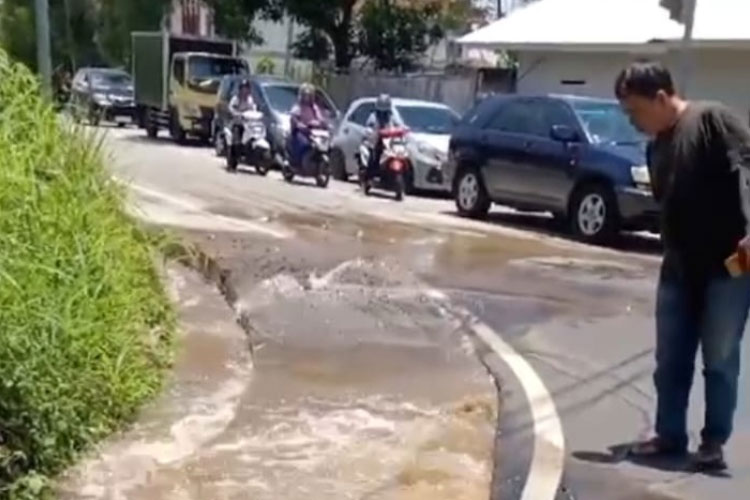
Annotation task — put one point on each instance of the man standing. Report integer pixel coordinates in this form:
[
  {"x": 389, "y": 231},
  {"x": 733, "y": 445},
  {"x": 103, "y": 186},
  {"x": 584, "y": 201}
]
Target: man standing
[{"x": 695, "y": 158}]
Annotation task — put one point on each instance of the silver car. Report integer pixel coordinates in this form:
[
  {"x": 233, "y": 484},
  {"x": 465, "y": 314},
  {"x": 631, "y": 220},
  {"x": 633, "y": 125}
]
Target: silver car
[{"x": 430, "y": 125}]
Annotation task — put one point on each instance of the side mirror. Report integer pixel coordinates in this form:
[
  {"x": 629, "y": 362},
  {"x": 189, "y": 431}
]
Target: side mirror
[{"x": 564, "y": 133}]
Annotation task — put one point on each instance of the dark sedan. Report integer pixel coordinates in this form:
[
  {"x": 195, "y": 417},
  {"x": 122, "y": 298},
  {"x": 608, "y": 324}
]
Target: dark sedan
[
  {"x": 103, "y": 94},
  {"x": 579, "y": 158}
]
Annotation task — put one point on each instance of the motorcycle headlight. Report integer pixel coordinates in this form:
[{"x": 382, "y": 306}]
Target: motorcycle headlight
[
  {"x": 101, "y": 99},
  {"x": 641, "y": 175}
]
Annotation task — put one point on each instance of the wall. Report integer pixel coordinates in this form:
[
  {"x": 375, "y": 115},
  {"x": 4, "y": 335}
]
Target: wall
[
  {"x": 456, "y": 90},
  {"x": 718, "y": 74}
]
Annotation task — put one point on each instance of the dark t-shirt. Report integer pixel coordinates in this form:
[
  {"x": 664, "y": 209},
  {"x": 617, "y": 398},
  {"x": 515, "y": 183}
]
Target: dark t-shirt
[{"x": 695, "y": 172}]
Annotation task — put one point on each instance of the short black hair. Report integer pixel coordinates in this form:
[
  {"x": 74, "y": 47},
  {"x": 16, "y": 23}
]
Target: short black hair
[{"x": 644, "y": 79}]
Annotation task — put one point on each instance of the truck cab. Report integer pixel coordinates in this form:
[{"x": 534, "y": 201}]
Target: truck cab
[{"x": 193, "y": 86}]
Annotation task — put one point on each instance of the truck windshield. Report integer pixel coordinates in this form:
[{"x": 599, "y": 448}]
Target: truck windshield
[{"x": 205, "y": 72}]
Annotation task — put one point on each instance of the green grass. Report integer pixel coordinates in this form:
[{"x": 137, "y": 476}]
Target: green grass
[{"x": 85, "y": 325}]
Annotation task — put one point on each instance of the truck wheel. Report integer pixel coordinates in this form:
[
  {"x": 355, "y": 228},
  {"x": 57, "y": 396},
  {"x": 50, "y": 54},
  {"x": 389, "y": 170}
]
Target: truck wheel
[
  {"x": 594, "y": 215},
  {"x": 176, "y": 130}
]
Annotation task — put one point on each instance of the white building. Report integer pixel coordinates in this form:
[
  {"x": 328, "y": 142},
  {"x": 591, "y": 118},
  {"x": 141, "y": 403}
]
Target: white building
[{"x": 579, "y": 46}]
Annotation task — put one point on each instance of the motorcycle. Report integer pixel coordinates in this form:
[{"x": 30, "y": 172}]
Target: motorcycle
[
  {"x": 394, "y": 163},
  {"x": 315, "y": 161},
  {"x": 247, "y": 143}
]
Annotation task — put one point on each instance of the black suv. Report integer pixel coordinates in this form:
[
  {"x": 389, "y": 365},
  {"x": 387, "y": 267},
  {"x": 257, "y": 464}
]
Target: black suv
[
  {"x": 103, "y": 94},
  {"x": 579, "y": 158}
]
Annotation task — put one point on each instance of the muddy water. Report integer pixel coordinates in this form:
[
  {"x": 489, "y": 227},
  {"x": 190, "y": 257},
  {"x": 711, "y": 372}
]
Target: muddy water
[{"x": 385, "y": 402}]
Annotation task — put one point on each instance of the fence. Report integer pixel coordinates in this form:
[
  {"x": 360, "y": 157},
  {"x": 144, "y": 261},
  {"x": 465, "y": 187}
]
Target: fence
[{"x": 457, "y": 90}]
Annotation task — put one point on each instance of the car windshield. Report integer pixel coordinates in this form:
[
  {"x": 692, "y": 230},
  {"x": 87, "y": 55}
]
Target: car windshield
[
  {"x": 282, "y": 99},
  {"x": 206, "y": 72},
  {"x": 606, "y": 123},
  {"x": 110, "y": 79},
  {"x": 428, "y": 119}
]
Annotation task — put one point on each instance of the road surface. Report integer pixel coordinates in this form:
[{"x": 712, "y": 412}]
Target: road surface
[{"x": 374, "y": 326}]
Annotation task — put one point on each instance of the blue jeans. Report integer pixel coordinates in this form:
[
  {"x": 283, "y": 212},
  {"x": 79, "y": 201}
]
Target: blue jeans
[
  {"x": 299, "y": 144},
  {"x": 710, "y": 313}
]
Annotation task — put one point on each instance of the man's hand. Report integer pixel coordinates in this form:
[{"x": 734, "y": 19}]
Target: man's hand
[{"x": 744, "y": 247}]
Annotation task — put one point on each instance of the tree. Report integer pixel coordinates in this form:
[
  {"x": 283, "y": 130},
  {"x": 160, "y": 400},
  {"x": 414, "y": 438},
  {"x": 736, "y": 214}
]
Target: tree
[
  {"x": 117, "y": 19},
  {"x": 393, "y": 36},
  {"x": 235, "y": 18},
  {"x": 334, "y": 18},
  {"x": 312, "y": 45}
]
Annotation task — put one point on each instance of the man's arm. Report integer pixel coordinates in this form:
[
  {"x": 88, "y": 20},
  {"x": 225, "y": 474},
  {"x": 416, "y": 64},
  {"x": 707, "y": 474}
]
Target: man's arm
[{"x": 733, "y": 136}]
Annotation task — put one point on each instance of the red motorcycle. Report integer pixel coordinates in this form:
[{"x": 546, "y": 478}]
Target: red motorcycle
[{"x": 394, "y": 163}]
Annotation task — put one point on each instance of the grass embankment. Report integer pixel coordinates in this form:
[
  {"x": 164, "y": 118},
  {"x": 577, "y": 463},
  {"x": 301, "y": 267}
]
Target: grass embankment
[{"x": 85, "y": 325}]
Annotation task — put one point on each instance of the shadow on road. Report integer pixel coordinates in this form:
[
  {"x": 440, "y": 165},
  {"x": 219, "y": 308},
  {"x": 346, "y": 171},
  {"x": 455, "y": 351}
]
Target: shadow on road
[
  {"x": 543, "y": 223},
  {"x": 163, "y": 139},
  {"x": 621, "y": 453}
]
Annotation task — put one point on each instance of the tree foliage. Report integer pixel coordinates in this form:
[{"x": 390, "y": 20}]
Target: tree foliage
[
  {"x": 235, "y": 18},
  {"x": 394, "y": 36},
  {"x": 312, "y": 45},
  {"x": 82, "y": 32},
  {"x": 334, "y": 18}
]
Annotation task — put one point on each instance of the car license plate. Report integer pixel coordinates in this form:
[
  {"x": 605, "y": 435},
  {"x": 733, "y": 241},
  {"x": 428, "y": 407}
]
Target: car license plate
[{"x": 122, "y": 119}]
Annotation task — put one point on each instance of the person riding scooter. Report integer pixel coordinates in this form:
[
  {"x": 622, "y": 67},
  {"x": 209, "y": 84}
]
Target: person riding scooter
[
  {"x": 240, "y": 103},
  {"x": 304, "y": 115},
  {"x": 381, "y": 118}
]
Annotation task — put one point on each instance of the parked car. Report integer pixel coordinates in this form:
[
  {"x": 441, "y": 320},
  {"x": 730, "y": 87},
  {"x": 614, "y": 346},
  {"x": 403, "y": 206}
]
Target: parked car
[
  {"x": 430, "y": 125},
  {"x": 579, "y": 158},
  {"x": 103, "y": 94},
  {"x": 275, "y": 98}
]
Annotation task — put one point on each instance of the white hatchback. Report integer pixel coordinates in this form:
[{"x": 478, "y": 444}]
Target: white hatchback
[{"x": 429, "y": 124}]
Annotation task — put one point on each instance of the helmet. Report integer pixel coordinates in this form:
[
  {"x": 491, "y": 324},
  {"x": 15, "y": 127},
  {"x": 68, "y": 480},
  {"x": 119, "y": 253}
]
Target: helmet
[
  {"x": 383, "y": 104},
  {"x": 244, "y": 84},
  {"x": 306, "y": 90}
]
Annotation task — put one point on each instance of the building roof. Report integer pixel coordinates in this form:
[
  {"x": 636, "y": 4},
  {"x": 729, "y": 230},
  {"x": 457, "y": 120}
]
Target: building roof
[{"x": 604, "y": 24}]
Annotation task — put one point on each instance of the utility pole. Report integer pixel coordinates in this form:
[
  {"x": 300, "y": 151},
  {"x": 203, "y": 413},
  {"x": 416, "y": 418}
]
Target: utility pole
[
  {"x": 688, "y": 19},
  {"x": 289, "y": 46},
  {"x": 44, "y": 59}
]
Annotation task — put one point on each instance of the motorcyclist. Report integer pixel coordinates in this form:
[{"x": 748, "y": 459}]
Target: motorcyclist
[
  {"x": 381, "y": 118},
  {"x": 243, "y": 100},
  {"x": 304, "y": 115},
  {"x": 240, "y": 103}
]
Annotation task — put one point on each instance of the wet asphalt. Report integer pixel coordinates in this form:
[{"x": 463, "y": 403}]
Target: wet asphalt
[{"x": 365, "y": 386}]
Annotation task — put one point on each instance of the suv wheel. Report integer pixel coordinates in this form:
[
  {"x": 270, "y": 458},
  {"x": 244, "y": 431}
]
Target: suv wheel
[
  {"x": 471, "y": 195},
  {"x": 593, "y": 214}
]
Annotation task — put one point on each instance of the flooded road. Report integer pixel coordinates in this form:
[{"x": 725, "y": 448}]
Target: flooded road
[{"x": 368, "y": 378}]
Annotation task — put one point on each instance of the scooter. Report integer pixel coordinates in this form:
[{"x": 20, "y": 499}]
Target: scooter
[
  {"x": 247, "y": 143},
  {"x": 315, "y": 161},
  {"x": 394, "y": 163}
]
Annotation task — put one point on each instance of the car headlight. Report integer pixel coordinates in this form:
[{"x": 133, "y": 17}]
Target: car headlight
[
  {"x": 101, "y": 99},
  {"x": 431, "y": 152},
  {"x": 641, "y": 175}
]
